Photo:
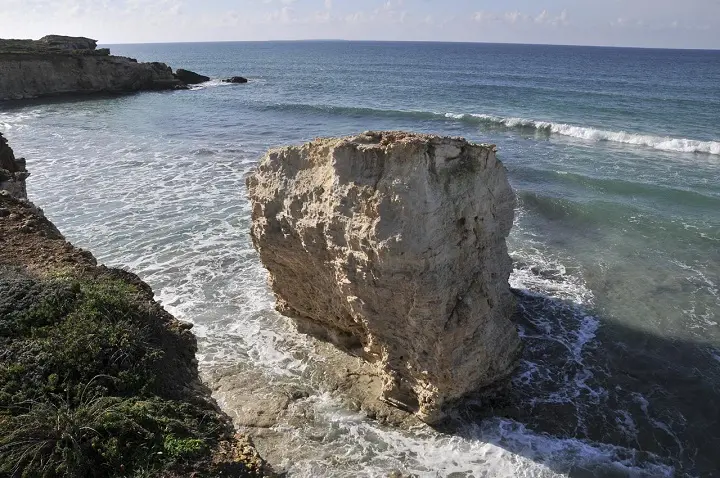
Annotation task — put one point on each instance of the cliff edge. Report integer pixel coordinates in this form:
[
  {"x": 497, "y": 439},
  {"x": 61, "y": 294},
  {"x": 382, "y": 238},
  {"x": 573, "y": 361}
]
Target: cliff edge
[
  {"x": 96, "y": 378},
  {"x": 391, "y": 246},
  {"x": 57, "y": 65}
]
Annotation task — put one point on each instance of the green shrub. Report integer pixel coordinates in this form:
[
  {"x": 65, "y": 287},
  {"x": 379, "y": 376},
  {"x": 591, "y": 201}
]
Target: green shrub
[
  {"x": 92, "y": 384},
  {"x": 184, "y": 448}
]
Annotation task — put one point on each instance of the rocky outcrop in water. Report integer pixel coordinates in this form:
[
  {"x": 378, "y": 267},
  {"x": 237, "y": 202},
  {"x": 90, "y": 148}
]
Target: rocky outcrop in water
[
  {"x": 392, "y": 246},
  {"x": 190, "y": 77},
  {"x": 235, "y": 79},
  {"x": 56, "y": 65}
]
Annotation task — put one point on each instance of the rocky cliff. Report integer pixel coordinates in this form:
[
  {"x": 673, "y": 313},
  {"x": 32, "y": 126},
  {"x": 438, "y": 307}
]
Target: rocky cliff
[
  {"x": 56, "y": 65},
  {"x": 12, "y": 171},
  {"x": 392, "y": 246},
  {"x": 96, "y": 378}
]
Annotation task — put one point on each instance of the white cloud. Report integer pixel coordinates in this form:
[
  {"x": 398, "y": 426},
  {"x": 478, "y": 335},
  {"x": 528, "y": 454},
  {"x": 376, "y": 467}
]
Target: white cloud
[
  {"x": 516, "y": 17},
  {"x": 323, "y": 17},
  {"x": 392, "y": 4},
  {"x": 357, "y": 17},
  {"x": 542, "y": 18}
]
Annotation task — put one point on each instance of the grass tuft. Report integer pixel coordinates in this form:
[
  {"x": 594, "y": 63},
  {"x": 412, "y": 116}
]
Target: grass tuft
[{"x": 94, "y": 383}]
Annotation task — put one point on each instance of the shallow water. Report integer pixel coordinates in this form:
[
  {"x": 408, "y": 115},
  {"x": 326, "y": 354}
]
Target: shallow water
[{"x": 614, "y": 154}]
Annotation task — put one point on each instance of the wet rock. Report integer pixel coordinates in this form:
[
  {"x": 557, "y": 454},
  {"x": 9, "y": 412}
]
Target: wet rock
[
  {"x": 392, "y": 247},
  {"x": 190, "y": 77},
  {"x": 236, "y": 79},
  {"x": 400, "y": 474},
  {"x": 252, "y": 401},
  {"x": 239, "y": 458}
]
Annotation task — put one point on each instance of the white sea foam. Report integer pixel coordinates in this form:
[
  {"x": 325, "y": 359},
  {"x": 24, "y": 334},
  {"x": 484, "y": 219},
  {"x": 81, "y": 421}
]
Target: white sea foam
[
  {"x": 664, "y": 143},
  {"x": 345, "y": 444},
  {"x": 210, "y": 84},
  {"x": 17, "y": 119}
]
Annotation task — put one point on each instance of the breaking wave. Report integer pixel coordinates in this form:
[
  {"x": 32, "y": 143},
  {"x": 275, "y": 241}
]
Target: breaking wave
[{"x": 664, "y": 143}]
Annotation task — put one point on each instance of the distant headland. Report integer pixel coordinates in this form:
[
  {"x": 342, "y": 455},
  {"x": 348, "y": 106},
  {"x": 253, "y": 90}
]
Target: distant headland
[{"x": 61, "y": 65}]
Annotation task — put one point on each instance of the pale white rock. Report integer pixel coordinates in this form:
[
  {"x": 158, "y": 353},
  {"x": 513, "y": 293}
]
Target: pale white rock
[{"x": 391, "y": 246}]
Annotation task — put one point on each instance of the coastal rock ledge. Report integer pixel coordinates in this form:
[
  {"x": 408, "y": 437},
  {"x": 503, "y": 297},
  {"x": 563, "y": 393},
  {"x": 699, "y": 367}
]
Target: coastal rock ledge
[
  {"x": 59, "y": 65},
  {"x": 391, "y": 246}
]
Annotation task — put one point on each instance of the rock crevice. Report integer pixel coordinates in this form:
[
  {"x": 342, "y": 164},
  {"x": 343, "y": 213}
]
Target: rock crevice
[{"x": 391, "y": 246}]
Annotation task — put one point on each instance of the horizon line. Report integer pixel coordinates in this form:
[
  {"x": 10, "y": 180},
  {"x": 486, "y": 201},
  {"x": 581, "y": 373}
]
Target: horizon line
[{"x": 340, "y": 40}]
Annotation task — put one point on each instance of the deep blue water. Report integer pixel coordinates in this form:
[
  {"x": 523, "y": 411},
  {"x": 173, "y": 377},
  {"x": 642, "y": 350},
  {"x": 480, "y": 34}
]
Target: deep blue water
[{"x": 615, "y": 157}]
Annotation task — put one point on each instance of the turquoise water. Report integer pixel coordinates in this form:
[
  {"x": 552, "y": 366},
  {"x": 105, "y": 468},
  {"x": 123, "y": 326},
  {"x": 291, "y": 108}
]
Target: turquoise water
[{"x": 615, "y": 157}]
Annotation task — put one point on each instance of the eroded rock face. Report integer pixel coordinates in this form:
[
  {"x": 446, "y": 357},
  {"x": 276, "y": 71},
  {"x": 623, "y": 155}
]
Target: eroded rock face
[
  {"x": 392, "y": 246},
  {"x": 12, "y": 171}
]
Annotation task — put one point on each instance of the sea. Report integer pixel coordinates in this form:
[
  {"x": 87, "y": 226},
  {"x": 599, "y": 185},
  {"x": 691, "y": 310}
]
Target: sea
[{"x": 614, "y": 154}]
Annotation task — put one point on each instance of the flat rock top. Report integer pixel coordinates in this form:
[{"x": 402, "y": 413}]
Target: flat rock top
[
  {"x": 392, "y": 138},
  {"x": 50, "y": 44},
  {"x": 66, "y": 39}
]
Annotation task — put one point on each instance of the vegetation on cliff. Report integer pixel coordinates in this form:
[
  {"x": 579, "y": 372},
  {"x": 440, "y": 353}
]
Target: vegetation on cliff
[{"x": 96, "y": 378}]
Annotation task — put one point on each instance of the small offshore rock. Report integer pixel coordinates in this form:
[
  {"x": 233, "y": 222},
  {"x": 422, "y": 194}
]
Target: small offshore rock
[
  {"x": 236, "y": 79},
  {"x": 190, "y": 77}
]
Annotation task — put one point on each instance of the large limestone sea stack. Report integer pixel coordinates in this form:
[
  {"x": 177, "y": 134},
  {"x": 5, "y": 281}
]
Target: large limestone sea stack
[{"x": 392, "y": 246}]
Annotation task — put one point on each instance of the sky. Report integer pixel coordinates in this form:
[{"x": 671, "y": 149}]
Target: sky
[{"x": 643, "y": 23}]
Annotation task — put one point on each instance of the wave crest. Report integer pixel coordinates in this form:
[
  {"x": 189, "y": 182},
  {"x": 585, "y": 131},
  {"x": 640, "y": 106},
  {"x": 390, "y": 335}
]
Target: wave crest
[{"x": 665, "y": 143}]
